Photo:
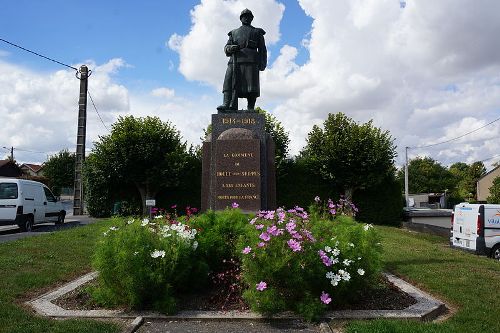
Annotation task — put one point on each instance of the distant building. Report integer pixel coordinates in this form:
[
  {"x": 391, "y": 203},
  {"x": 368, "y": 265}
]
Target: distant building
[
  {"x": 32, "y": 169},
  {"x": 427, "y": 200},
  {"x": 484, "y": 183},
  {"x": 9, "y": 168}
]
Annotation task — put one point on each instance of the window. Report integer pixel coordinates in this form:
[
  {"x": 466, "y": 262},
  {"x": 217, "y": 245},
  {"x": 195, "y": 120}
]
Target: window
[
  {"x": 49, "y": 195},
  {"x": 8, "y": 191}
]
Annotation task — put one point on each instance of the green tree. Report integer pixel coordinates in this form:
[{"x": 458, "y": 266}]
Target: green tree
[
  {"x": 466, "y": 177},
  {"x": 60, "y": 170},
  {"x": 494, "y": 197},
  {"x": 425, "y": 175},
  {"x": 145, "y": 152},
  {"x": 348, "y": 155}
]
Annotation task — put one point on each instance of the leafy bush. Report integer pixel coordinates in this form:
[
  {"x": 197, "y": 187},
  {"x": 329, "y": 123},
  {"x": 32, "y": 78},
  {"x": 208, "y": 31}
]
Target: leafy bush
[
  {"x": 219, "y": 232},
  {"x": 145, "y": 263},
  {"x": 293, "y": 261}
]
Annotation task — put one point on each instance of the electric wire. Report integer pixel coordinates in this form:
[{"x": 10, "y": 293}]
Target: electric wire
[
  {"x": 95, "y": 108},
  {"x": 456, "y": 138},
  {"x": 38, "y": 54}
]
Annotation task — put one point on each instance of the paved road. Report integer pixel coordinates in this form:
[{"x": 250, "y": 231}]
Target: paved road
[{"x": 11, "y": 233}]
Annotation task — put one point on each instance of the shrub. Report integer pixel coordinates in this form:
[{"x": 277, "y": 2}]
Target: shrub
[
  {"x": 292, "y": 261},
  {"x": 219, "y": 232},
  {"x": 145, "y": 263}
]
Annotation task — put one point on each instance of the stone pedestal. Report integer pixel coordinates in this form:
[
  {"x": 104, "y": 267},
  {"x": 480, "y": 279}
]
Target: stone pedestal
[{"x": 238, "y": 164}]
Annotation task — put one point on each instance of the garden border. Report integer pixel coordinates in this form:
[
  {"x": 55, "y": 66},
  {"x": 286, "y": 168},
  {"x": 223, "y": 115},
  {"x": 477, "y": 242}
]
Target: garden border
[{"x": 427, "y": 308}]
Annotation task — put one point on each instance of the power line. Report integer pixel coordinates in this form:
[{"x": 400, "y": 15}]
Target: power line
[
  {"x": 92, "y": 100},
  {"x": 456, "y": 138},
  {"x": 38, "y": 54}
]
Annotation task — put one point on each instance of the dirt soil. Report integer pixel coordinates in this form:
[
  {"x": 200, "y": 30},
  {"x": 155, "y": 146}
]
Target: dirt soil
[{"x": 384, "y": 296}]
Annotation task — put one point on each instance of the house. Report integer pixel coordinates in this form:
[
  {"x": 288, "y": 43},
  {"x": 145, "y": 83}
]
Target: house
[
  {"x": 32, "y": 169},
  {"x": 9, "y": 168},
  {"x": 484, "y": 183}
]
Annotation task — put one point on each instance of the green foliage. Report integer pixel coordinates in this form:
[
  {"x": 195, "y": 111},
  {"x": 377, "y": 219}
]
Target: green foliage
[
  {"x": 143, "y": 264},
  {"x": 495, "y": 191},
  {"x": 280, "y": 137},
  {"x": 219, "y": 232},
  {"x": 427, "y": 176},
  {"x": 380, "y": 204},
  {"x": 348, "y": 155},
  {"x": 145, "y": 153},
  {"x": 286, "y": 258},
  {"x": 60, "y": 171},
  {"x": 466, "y": 177}
]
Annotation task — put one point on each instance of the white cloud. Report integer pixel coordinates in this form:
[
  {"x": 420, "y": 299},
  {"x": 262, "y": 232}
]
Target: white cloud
[
  {"x": 201, "y": 50},
  {"x": 163, "y": 92},
  {"x": 38, "y": 111}
]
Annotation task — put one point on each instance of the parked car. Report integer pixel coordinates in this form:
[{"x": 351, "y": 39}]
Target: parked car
[
  {"x": 476, "y": 228},
  {"x": 26, "y": 203}
]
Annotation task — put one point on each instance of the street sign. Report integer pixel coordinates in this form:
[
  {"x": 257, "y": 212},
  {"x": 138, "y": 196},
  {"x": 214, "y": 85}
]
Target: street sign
[{"x": 151, "y": 203}]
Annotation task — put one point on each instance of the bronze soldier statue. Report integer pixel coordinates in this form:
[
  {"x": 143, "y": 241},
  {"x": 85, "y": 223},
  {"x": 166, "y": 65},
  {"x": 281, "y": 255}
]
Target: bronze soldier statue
[{"x": 248, "y": 55}]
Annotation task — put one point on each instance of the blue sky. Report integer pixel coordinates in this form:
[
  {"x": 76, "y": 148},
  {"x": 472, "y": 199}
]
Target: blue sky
[{"x": 427, "y": 71}]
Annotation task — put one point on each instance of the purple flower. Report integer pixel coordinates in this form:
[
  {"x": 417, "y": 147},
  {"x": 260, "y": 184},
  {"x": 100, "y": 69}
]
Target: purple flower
[
  {"x": 261, "y": 244},
  {"x": 246, "y": 250},
  {"x": 333, "y": 211},
  {"x": 296, "y": 235},
  {"x": 269, "y": 215},
  {"x": 294, "y": 245},
  {"x": 259, "y": 226},
  {"x": 261, "y": 286},
  {"x": 326, "y": 261},
  {"x": 265, "y": 236},
  {"x": 290, "y": 227},
  {"x": 308, "y": 235},
  {"x": 325, "y": 298},
  {"x": 252, "y": 221},
  {"x": 235, "y": 205},
  {"x": 173, "y": 206}
]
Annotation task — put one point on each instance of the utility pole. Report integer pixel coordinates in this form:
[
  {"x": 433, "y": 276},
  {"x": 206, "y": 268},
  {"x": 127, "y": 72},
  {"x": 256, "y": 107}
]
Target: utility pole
[
  {"x": 80, "y": 141},
  {"x": 12, "y": 154},
  {"x": 407, "y": 196}
]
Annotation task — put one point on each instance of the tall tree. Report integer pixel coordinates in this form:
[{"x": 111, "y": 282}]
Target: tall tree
[
  {"x": 349, "y": 155},
  {"x": 426, "y": 175},
  {"x": 146, "y": 152},
  {"x": 60, "y": 170}
]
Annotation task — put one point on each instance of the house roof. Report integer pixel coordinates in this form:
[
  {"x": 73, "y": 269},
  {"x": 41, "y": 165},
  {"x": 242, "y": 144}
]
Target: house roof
[
  {"x": 492, "y": 170},
  {"x": 33, "y": 167},
  {"x": 4, "y": 162}
]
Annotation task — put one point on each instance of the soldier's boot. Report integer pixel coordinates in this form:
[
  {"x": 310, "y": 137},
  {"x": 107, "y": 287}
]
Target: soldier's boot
[
  {"x": 226, "y": 101},
  {"x": 251, "y": 103}
]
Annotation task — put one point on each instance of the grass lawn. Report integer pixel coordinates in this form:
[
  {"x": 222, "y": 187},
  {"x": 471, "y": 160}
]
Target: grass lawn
[
  {"x": 37, "y": 263},
  {"x": 468, "y": 282}
]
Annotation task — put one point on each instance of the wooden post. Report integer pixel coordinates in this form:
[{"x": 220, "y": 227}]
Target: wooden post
[{"x": 80, "y": 141}]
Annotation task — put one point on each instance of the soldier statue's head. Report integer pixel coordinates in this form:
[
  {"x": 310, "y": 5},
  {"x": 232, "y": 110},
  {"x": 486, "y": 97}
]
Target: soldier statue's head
[{"x": 246, "y": 16}]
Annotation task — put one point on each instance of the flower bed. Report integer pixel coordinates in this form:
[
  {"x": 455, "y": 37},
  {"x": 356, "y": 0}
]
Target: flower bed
[{"x": 277, "y": 260}]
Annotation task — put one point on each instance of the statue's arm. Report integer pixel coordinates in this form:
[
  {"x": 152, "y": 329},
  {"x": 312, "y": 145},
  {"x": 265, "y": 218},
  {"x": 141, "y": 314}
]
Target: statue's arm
[
  {"x": 228, "y": 48},
  {"x": 262, "y": 52}
]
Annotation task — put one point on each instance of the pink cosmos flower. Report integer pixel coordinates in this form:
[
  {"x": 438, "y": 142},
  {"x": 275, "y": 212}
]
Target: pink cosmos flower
[
  {"x": 265, "y": 236},
  {"x": 235, "y": 205},
  {"x": 326, "y": 261},
  {"x": 325, "y": 298},
  {"x": 261, "y": 286},
  {"x": 290, "y": 227},
  {"x": 246, "y": 250},
  {"x": 259, "y": 226},
  {"x": 252, "y": 221},
  {"x": 261, "y": 244},
  {"x": 294, "y": 245}
]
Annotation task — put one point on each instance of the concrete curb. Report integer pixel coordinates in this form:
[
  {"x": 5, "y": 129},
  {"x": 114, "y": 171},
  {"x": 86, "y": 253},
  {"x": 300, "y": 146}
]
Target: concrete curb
[{"x": 426, "y": 308}]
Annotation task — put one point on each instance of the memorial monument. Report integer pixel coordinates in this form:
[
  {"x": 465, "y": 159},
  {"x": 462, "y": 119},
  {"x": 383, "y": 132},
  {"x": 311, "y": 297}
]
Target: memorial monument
[{"x": 238, "y": 155}]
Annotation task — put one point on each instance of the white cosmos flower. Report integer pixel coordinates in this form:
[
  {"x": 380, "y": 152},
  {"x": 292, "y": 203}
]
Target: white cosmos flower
[
  {"x": 335, "y": 252},
  {"x": 351, "y": 244},
  {"x": 367, "y": 227},
  {"x": 346, "y": 276},
  {"x": 158, "y": 217},
  {"x": 334, "y": 260},
  {"x": 113, "y": 228},
  {"x": 130, "y": 221},
  {"x": 157, "y": 254},
  {"x": 347, "y": 262},
  {"x": 330, "y": 275},
  {"x": 105, "y": 234},
  {"x": 361, "y": 271},
  {"x": 328, "y": 249},
  {"x": 334, "y": 283},
  {"x": 145, "y": 222},
  {"x": 136, "y": 253}
]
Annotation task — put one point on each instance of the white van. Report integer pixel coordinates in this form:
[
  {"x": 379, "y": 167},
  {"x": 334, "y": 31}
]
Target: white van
[
  {"x": 476, "y": 227},
  {"x": 26, "y": 202}
]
